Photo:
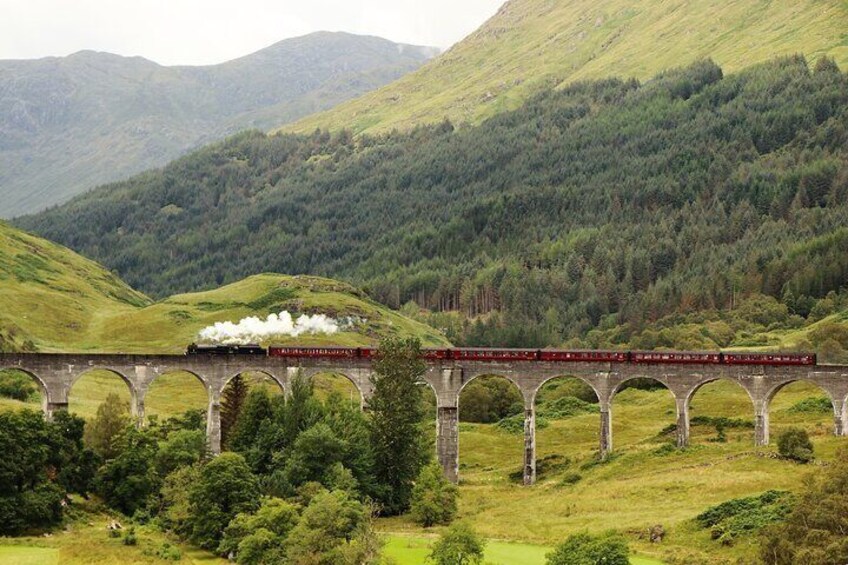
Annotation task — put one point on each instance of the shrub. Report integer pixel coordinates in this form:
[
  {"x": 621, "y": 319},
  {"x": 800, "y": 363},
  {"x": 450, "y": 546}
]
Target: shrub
[
  {"x": 458, "y": 545},
  {"x": 515, "y": 424},
  {"x": 17, "y": 386},
  {"x": 813, "y": 405},
  {"x": 130, "y": 537},
  {"x": 586, "y": 549},
  {"x": 739, "y": 516},
  {"x": 433, "y": 497},
  {"x": 795, "y": 444}
]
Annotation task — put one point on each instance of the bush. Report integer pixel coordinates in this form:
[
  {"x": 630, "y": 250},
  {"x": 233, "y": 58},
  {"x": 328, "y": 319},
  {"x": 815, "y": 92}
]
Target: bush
[
  {"x": 130, "y": 537},
  {"x": 17, "y": 386},
  {"x": 458, "y": 545},
  {"x": 795, "y": 444},
  {"x": 739, "y": 516},
  {"x": 586, "y": 549},
  {"x": 515, "y": 424},
  {"x": 433, "y": 498},
  {"x": 813, "y": 405}
]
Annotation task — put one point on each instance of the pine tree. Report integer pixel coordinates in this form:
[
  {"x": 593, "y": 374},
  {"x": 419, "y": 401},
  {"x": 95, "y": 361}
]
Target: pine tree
[
  {"x": 396, "y": 411},
  {"x": 231, "y": 404}
]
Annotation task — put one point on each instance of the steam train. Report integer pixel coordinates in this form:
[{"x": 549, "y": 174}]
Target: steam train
[{"x": 510, "y": 355}]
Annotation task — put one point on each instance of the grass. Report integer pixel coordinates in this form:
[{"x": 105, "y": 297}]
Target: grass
[
  {"x": 533, "y": 44},
  {"x": 85, "y": 541},
  {"x": 55, "y": 300}
]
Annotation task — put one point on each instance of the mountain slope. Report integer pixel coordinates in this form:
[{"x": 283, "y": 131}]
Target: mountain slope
[
  {"x": 605, "y": 203},
  {"x": 532, "y": 44},
  {"x": 68, "y": 124},
  {"x": 52, "y": 299}
]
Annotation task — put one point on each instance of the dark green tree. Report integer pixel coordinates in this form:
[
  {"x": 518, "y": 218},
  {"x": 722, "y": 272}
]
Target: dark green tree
[
  {"x": 129, "y": 482},
  {"x": 395, "y": 409},
  {"x": 41, "y": 462},
  {"x": 458, "y": 545},
  {"x": 794, "y": 443},
  {"x": 235, "y": 394},
  {"x": 433, "y": 497},
  {"x": 224, "y": 488}
]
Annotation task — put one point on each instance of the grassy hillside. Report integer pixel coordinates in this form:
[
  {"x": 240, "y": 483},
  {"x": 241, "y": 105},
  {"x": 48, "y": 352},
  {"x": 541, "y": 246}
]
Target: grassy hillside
[
  {"x": 50, "y": 296},
  {"x": 70, "y": 123},
  {"x": 52, "y": 299},
  {"x": 535, "y": 43}
]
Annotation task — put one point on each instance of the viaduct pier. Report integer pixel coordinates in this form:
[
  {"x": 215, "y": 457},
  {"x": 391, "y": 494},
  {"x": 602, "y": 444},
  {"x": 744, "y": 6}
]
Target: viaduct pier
[{"x": 57, "y": 373}]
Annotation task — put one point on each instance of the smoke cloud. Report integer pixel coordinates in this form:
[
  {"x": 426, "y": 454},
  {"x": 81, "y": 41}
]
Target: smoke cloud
[{"x": 255, "y": 330}]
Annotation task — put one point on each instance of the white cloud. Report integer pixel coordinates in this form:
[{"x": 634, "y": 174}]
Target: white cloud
[{"x": 211, "y": 31}]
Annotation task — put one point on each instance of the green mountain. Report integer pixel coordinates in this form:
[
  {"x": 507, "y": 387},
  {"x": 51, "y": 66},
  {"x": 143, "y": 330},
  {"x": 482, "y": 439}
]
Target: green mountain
[
  {"x": 605, "y": 206},
  {"x": 68, "y": 124},
  {"x": 52, "y": 299},
  {"x": 536, "y": 44}
]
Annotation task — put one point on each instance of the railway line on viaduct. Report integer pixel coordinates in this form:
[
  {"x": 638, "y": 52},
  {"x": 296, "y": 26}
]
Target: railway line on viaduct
[{"x": 57, "y": 373}]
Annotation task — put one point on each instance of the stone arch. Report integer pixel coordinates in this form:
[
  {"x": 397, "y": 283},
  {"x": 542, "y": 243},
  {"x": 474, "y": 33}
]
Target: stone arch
[
  {"x": 151, "y": 397},
  {"x": 756, "y": 408},
  {"x": 482, "y": 435},
  {"x": 837, "y": 409},
  {"x": 702, "y": 383},
  {"x": 534, "y": 393},
  {"x": 282, "y": 386},
  {"x": 476, "y": 377},
  {"x": 43, "y": 390},
  {"x": 772, "y": 392},
  {"x": 665, "y": 422},
  {"x": 130, "y": 384},
  {"x": 557, "y": 442},
  {"x": 311, "y": 374}
]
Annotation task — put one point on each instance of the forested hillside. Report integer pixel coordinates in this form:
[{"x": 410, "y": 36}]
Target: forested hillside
[
  {"x": 606, "y": 205},
  {"x": 68, "y": 124},
  {"x": 535, "y": 44}
]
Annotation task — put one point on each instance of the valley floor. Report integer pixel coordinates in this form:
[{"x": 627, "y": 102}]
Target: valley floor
[{"x": 646, "y": 483}]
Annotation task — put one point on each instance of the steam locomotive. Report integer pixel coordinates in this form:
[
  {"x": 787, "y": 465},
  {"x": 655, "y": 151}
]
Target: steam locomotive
[{"x": 510, "y": 355}]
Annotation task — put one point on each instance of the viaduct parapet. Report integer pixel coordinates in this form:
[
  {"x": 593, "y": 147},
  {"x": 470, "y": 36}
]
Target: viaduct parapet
[{"x": 57, "y": 373}]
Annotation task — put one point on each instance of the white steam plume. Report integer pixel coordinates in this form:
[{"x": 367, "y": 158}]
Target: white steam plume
[{"x": 255, "y": 330}]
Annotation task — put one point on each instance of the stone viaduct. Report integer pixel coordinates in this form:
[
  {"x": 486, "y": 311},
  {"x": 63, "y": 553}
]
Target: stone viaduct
[{"x": 57, "y": 373}]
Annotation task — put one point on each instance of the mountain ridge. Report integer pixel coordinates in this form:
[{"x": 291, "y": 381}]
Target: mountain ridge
[
  {"x": 535, "y": 44},
  {"x": 70, "y": 123}
]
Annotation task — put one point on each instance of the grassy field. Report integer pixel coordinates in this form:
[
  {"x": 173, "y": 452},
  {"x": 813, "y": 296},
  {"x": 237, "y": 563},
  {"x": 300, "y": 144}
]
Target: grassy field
[
  {"x": 532, "y": 44},
  {"x": 645, "y": 484}
]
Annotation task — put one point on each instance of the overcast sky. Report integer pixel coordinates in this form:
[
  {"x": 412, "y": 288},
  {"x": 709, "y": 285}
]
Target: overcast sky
[{"x": 197, "y": 32}]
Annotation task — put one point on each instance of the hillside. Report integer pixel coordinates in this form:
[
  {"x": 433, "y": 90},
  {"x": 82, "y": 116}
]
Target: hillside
[
  {"x": 51, "y": 299},
  {"x": 534, "y": 44},
  {"x": 70, "y": 123},
  {"x": 608, "y": 205}
]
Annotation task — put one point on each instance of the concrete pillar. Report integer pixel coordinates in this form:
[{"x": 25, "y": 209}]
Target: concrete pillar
[
  {"x": 606, "y": 428},
  {"x": 213, "y": 427},
  {"x": 839, "y": 414},
  {"x": 139, "y": 411},
  {"x": 530, "y": 445},
  {"x": 447, "y": 441},
  {"x": 682, "y": 421},
  {"x": 761, "y": 423},
  {"x": 50, "y": 408}
]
